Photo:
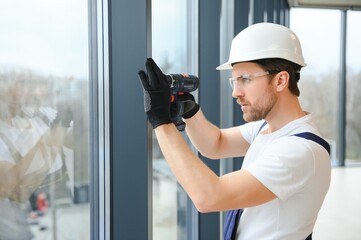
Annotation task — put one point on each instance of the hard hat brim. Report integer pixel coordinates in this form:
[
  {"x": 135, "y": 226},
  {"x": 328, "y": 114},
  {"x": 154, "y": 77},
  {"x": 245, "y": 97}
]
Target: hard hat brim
[{"x": 225, "y": 66}]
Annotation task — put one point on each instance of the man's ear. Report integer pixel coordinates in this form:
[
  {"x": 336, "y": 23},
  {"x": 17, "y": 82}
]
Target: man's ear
[{"x": 281, "y": 81}]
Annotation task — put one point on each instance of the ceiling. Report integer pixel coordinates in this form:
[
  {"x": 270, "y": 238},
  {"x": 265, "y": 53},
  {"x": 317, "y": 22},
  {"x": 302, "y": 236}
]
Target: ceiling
[{"x": 339, "y": 4}]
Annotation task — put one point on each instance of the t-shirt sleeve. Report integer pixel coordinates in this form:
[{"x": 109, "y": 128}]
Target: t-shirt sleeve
[
  {"x": 250, "y": 130},
  {"x": 285, "y": 167}
]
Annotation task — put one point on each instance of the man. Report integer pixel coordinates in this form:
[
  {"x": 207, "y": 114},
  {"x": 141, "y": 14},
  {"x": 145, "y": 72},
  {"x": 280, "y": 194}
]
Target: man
[{"x": 286, "y": 173}]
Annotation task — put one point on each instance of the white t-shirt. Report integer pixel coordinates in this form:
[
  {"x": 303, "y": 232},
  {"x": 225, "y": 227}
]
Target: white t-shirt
[{"x": 296, "y": 170}]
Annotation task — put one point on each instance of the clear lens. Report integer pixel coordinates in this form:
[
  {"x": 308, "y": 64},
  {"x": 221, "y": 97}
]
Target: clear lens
[{"x": 240, "y": 81}]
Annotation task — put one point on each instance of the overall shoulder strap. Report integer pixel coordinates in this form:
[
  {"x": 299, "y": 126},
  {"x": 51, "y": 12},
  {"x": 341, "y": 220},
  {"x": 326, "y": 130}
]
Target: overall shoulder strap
[
  {"x": 309, "y": 136},
  {"x": 263, "y": 124},
  {"x": 315, "y": 138}
]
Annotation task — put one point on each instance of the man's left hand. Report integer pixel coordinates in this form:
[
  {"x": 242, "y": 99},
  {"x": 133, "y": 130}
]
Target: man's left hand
[{"x": 157, "y": 94}]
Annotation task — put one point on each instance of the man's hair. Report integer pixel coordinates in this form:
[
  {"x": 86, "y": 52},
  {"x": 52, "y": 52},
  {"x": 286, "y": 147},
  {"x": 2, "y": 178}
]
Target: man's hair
[{"x": 278, "y": 65}]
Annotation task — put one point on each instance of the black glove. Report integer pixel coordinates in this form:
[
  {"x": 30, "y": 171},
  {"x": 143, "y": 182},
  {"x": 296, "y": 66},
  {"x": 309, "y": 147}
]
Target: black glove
[
  {"x": 183, "y": 106},
  {"x": 190, "y": 107},
  {"x": 157, "y": 95},
  {"x": 176, "y": 112}
]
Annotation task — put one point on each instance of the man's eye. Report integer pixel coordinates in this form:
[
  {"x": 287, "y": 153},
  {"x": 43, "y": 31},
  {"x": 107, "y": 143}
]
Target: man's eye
[{"x": 245, "y": 79}]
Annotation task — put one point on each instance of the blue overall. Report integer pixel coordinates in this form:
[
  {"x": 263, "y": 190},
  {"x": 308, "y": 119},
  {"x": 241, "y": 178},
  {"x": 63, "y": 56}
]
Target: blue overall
[{"x": 233, "y": 216}]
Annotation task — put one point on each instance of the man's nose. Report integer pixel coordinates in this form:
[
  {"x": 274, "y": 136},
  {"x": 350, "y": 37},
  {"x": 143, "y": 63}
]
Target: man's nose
[{"x": 237, "y": 91}]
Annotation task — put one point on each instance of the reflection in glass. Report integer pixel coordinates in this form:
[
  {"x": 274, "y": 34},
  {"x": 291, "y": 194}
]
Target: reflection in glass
[
  {"x": 353, "y": 83},
  {"x": 169, "y": 50},
  {"x": 44, "y": 162}
]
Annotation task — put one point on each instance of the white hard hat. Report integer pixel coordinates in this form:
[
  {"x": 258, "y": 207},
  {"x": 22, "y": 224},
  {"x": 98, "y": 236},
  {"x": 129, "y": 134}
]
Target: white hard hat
[{"x": 265, "y": 40}]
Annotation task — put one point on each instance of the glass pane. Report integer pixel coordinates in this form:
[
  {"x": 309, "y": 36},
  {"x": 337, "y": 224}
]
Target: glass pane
[
  {"x": 44, "y": 162},
  {"x": 353, "y": 97},
  {"x": 169, "y": 50},
  {"x": 320, "y": 78}
]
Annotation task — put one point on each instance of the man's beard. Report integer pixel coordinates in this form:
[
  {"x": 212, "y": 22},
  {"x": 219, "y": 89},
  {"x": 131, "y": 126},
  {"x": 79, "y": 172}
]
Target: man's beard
[{"x": 261, "y": 108}]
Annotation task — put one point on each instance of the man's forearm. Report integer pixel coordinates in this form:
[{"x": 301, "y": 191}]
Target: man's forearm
[
  {"x": 194, "y": 176},
  {"x": 204, "y": 135},
  {"x": 213, "y": 142}
]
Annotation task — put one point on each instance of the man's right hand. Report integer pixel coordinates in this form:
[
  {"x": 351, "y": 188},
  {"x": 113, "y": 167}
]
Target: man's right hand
[
  {"x": 185, "y": 107},
  {"x": 190, "y": 107}
]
